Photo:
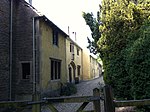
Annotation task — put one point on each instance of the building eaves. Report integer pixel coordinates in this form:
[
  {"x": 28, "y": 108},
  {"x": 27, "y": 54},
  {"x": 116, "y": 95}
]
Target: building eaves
[
  {"x": 41, "y": 16},
  {"x": 31, "y": 7},
  {"x": 51, "y": 24}
]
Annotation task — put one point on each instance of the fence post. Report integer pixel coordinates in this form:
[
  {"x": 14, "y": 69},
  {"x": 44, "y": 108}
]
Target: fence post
[
  {"x": 36, "y": 107},
  {"x": 108, "y": 99},
  {"x": 96, "y": 103}
]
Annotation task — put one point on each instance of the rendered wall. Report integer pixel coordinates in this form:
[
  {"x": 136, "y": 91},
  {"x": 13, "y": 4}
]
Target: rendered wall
[
  {"x": 77, "y": 59},
  {"x": 48, "y": 50}
]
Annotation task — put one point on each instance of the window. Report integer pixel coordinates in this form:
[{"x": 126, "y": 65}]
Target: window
[
  {"x": 25, "y": 70},
  {"x": 90, "y": 59},
  {"x": 78, "y": 69},
  {"x": 72, "y": 56},
  {"x": 71, "y": 47},
  {"x": 77, "y": 51},
  {"x": 55, "y": 38},
  {"x": 55, "y": 69}
]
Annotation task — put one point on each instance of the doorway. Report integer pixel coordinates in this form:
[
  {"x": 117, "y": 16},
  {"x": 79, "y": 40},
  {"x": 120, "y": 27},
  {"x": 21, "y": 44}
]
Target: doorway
[{"x": 72, "y": 72}]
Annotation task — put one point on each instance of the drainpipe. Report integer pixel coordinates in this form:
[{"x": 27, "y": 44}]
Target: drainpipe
[
  {"x": 10, "y": 51},
  {"x": 34, "y": 76}
]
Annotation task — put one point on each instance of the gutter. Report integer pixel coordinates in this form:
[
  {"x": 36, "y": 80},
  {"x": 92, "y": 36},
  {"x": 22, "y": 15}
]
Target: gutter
[
  {"x": 33, "y": 53},
  {"x": 10, "y": 51}
]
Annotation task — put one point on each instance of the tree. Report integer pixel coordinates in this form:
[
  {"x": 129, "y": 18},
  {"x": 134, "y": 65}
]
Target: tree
[
  {"x": 124, "y": 45},
  {"x": 94, "y": 27},
  {"x": 138, "y": 64},
  {"x": 120, "y": 20}
]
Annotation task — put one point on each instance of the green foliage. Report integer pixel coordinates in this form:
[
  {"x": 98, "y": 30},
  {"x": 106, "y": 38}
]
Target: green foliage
[
  {"x": 121, "y": 21},
  {"x": 117, "y": 19},
  {"x": 94, "y": 26},
  {"x": 68, "y": 89},
  {"x": 138, "y": 64},
  {"x": 124, "y": 46}
]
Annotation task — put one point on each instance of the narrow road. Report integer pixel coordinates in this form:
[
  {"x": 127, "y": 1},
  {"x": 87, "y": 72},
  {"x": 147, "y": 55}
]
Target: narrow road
[{"x": 84, "y": 88}]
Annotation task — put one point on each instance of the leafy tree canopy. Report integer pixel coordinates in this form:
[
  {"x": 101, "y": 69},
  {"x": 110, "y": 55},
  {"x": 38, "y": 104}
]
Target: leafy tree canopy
[
  {"x": 94, "y": 27},
  {"x": 121, "y": 22},
  {"x": 123, "y": 44}
]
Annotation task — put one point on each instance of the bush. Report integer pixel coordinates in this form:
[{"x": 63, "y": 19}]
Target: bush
[
  {"x": 123, "y": 29},
  {"x": 68, "y": 89},
  {"x": 138, "y": 64},
  {"x": 125, "y": 47}
]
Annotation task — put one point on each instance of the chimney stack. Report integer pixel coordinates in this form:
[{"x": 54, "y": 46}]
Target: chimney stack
[
  {"x": 75, "y": 36},
  {"x": 30, "y": 2},
  {"x": 68, "y": 31}
]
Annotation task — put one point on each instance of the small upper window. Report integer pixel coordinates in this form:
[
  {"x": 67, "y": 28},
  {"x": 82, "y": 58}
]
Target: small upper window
[
  {"x": 78, "y": 51},
  {"x": 71, "y": 47},
  {"x": 55, "y": 38},
  {"x": 26, "y": 70}
]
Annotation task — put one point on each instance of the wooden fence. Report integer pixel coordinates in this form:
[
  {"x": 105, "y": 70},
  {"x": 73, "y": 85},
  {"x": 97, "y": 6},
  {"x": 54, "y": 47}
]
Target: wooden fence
[
  {"x": 20, "y": 105},
  {"x": 110, "y": 103}
]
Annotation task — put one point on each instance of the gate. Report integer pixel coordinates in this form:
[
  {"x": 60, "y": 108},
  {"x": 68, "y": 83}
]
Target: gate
[
  {"x": 110, "y": 103},
  {"x": 36, "y": 105}
]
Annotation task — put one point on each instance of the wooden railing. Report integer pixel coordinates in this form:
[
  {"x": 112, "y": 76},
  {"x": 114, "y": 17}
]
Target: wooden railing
[
  {"x": 110, "y": 103},
  {"x": 20, "y": 105}
]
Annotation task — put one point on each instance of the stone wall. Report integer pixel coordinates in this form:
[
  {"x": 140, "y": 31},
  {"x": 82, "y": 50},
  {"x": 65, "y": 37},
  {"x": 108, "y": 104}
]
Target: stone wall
[
  {"x": 22, "y": 46},
  {"x": 22, "y": 50},
  {"x": 4, "y": 49}
]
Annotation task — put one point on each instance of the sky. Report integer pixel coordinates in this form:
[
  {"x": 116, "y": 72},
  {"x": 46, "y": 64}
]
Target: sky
[{"x": 66, "y": 13}]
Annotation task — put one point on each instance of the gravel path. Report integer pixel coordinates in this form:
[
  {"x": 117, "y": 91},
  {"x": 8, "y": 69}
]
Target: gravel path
[{"x": 84, "y": 88}]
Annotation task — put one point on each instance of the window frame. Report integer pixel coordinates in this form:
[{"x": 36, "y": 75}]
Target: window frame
[
  {"x": 55, "y": 66},
  {"x": 55, "y": 38},
  {"x": 71, "y": 47},
  {"x": 78, "y": 50},
  {"x": 78, "y": 70},
  {"x": 21, "y": 70}
]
